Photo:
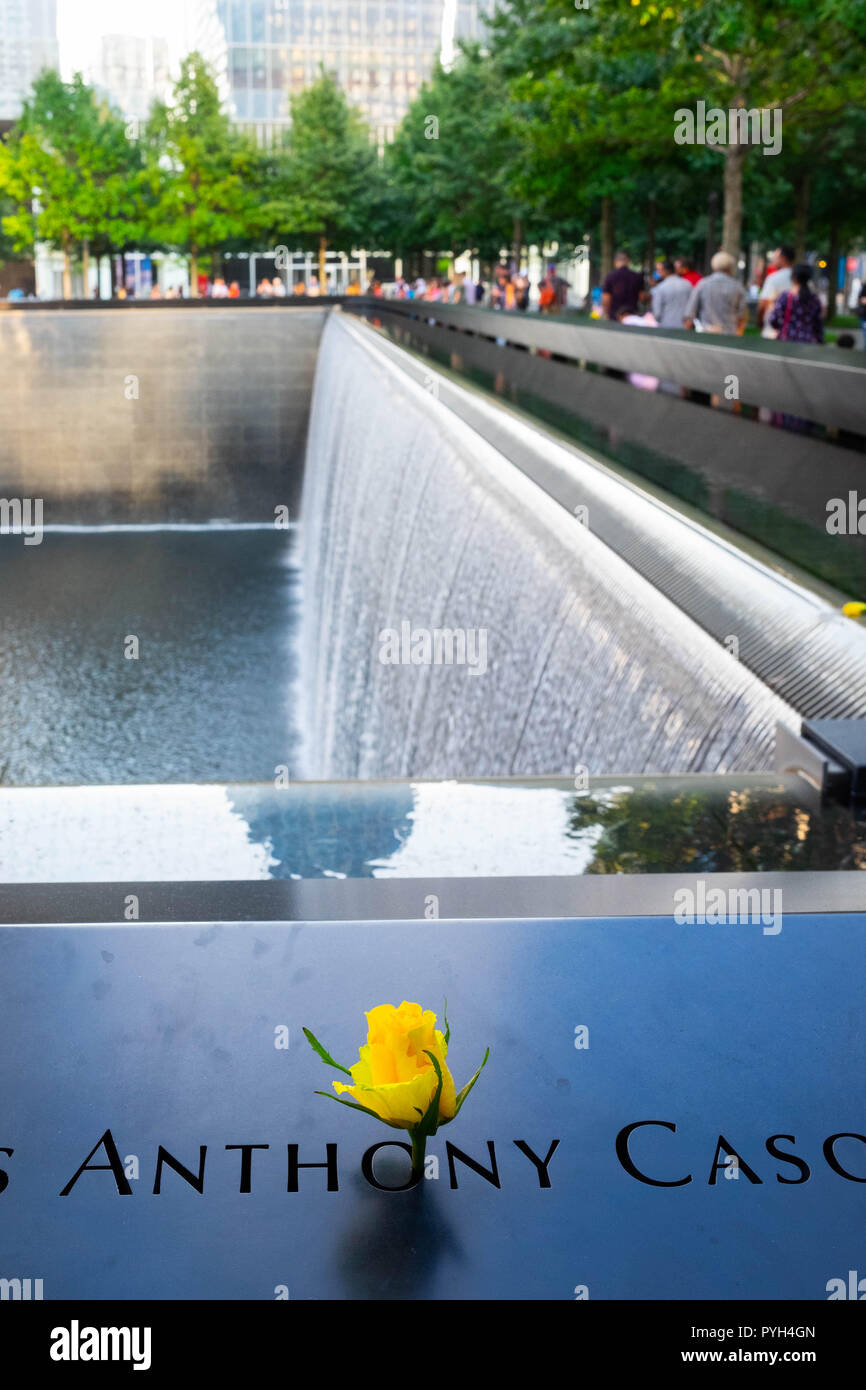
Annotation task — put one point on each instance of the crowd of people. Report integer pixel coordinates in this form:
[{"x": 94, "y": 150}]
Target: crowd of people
[
  {"x": 788, "y": 306},
  {"x": 674, "y": 296},
  {"x": 510, "y": 288}
]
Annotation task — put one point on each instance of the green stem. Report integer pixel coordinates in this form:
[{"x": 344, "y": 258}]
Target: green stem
[{"x": 419, "y": 1146}]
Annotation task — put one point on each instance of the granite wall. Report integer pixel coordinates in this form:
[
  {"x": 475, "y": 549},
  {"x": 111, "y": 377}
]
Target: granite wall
[{"x": 175, "y": 415}]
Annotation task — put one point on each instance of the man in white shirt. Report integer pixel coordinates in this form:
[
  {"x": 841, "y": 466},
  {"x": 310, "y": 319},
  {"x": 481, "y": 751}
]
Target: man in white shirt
[{"x": 774, "y": 285}]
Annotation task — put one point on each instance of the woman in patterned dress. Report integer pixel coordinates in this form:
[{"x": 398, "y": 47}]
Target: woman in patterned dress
[{"x": 798, "y": 316}]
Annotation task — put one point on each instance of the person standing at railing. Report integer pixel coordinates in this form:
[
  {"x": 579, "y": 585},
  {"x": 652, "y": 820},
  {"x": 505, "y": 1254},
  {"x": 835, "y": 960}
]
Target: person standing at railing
[
  {"x": 718, "y": 303},
  {"x": 521, "y": 291},
  {"x": 685, "y": 268},
  {"x": 797, "y": 315},
  {"x": 552, "y": 292},
  {"x": 777, "y": 281},
  {"x": 670, "y": 297},
  {"x": 622, "y": 288},
  {"x": 457, "y": 288},
  {"x": 860, "y": 311},
  {"x": 502, "y": 290}
]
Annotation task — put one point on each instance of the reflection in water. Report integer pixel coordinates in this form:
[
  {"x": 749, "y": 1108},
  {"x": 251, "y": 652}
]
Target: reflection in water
[
  {"x": 674, "y": 827},
  {"x": 396, "y": 1241},
  {"x": 320, "y": 830}
]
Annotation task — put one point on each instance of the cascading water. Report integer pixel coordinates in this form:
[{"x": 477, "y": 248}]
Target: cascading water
[{"x": 413, "y": 523}]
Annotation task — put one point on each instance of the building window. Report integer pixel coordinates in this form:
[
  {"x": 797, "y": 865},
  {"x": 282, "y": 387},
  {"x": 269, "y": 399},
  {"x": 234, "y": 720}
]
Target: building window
[
  {"x": 239, "y": 22},
  {"x": 259, "y": 68},
  {"x": 239, "y": 71},
  {"x": 257, "y": 21}
]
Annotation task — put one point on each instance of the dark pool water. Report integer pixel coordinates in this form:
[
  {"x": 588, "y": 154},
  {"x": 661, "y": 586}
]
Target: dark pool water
[{"x": 210, "y": 697}]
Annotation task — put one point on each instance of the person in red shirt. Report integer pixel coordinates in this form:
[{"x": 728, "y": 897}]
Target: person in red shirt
[{"x": 685, "y": 267}]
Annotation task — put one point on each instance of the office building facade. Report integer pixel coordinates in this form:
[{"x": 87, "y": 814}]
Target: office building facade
[
  {"x": 28, "y": 43},
  {"x": 380, "y": 53},
  {"x": 132, "y": 72}
]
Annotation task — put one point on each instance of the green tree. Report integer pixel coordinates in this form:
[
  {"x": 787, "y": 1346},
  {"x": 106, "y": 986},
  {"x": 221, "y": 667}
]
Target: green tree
[
  {"x": 802, "y": 58},
  {"x": 70, "y": 175},
  {"x": 584, "y": 85},
  {"x": 327, "y": 179},
  {"x": 454, "y": 167},
  {"x": 40, "y": 167},
  {"x": 198, "y": 170},
  {"x": 596, "y": 91}
]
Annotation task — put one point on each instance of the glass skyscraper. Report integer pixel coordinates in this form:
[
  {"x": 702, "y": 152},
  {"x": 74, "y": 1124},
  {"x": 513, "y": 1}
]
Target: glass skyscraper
[
  {"x": 28, "y": 43},
  {"x": 380, "y": 51}
]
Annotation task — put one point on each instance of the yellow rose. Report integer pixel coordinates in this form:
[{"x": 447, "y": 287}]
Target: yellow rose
[
  {"x": 401, "y": 1077},
  {"x": 394, "y": 1076}
]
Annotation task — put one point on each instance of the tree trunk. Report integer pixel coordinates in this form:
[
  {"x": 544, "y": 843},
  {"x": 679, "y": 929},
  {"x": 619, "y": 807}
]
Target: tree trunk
[
  {"x": 516, "y": 241},
  {"x": 67, "y": 273},
  {"x": 112, "y": 273},
  {"x": 323, "y": 282},
  {"x": 85, "y": 268},
  {"x": 732, "y": 225},
  {"x": 608, "y": 232},
  {"x": 711, "y": 245},
  {"x": 651, "y": 234},
  {"x": 802, "y": 193},
  {"x": 193, "y": 274},
  {"x": 833, "y": 272}
]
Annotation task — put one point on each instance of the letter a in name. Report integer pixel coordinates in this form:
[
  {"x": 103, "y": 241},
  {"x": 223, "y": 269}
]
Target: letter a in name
[{"x": 114, "y": 1165}]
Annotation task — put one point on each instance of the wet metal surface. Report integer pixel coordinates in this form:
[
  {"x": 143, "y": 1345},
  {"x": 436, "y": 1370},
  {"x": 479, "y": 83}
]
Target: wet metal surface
[
  {"x": 423, "y": 832},
  {"x": 166, "y": 1036}
]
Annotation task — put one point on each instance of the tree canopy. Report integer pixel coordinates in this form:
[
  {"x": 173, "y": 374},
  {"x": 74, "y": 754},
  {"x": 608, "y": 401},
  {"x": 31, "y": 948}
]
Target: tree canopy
[{"x": 559, "y": 126}]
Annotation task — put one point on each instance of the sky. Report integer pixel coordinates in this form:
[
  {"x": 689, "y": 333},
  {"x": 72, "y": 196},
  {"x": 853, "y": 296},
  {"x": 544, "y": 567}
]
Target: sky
[{"x": 80, "y": 23}]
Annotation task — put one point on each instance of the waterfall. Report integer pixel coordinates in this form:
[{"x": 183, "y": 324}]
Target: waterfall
[{"x": 413, "y": 524}]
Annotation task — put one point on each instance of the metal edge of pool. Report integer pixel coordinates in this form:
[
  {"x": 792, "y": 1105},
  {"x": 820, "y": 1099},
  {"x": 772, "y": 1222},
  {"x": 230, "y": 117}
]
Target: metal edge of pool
[{"x": 369, "y": 899}]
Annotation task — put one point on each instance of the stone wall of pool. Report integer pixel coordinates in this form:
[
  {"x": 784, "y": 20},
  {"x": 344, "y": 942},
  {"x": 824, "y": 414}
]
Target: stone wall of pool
[{"x": 183, "y": 416}]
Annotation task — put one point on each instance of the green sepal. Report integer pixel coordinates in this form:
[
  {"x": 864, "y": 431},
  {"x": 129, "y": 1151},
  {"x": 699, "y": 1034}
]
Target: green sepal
[
  {"x": 353, "y": 1105},
  {"x": 430, "y": 1120},
  {"x": 461, "y": 1095},
  {"x": 447, "y": 1024},
  {"x": 325, "y": 1056}
]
